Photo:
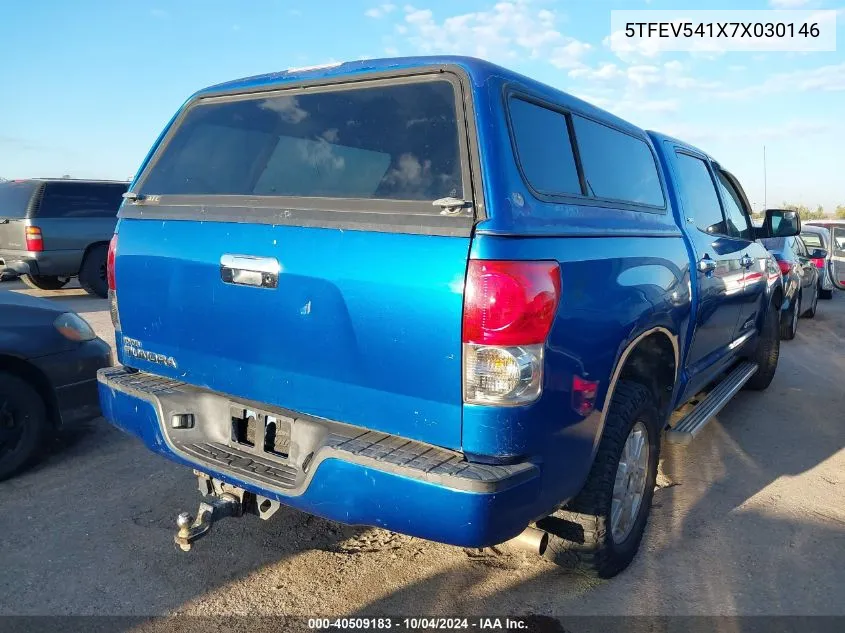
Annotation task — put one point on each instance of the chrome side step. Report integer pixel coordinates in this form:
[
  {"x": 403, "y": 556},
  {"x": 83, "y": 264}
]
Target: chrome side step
[{"x": 691, "y": 424}]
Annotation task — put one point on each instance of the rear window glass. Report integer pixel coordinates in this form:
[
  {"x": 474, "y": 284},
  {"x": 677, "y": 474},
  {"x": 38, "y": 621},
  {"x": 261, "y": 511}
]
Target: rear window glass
[
  {"x": 774, "y": 243},
  {"x": 14, "y": 198},
  {"x": 81, "y": 200},
  {"x": 544, "y": 148},
  {"x": 812, "y": 240},
  {"x": 617, "y": 166},
  {"x": 395, "y": 142}
]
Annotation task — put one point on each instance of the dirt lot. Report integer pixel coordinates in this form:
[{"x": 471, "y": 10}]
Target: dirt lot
[{"x": 754, "y": 524}]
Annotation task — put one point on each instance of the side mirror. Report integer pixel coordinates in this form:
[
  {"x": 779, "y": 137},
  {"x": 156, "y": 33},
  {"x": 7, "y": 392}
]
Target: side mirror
[
  {"x": 817, "y": 253},
  {"x": 780, "y": 223}
]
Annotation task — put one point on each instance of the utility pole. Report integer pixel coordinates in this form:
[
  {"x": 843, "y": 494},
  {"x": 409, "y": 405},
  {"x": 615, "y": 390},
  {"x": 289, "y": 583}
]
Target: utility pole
[{"x": 765, "y": 182}]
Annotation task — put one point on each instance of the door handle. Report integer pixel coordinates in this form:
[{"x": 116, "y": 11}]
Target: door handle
[
  {"x": 247, "y": 270},
  {"x": 706, "y": 265},
  {"x": 746, "y": 261}
]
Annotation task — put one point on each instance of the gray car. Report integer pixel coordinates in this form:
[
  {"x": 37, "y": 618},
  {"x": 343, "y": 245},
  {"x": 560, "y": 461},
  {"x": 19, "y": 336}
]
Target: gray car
[
  {"x": 836, "y": 266},
  {"x": 819, "y": 237},
  {"x": 54, "y": 230}
]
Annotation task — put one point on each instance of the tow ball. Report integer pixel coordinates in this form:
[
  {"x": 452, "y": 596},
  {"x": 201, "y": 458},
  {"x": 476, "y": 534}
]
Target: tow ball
[
  {"x": 219, "y": 501},
  {"x": 210, "y": 510}
]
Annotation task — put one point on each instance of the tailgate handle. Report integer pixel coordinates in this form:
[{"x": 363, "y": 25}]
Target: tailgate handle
[{"x": 247, "y": 270}]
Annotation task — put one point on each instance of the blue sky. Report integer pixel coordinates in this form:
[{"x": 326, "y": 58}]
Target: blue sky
[{"x": 88, "y": 85}]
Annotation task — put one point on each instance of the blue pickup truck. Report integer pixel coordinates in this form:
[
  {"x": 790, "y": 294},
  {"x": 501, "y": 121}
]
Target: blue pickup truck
[{"x": 434, "y": 296}]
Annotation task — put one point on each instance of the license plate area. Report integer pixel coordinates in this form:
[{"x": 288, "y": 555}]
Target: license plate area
[{"x": 260, "y": 432}]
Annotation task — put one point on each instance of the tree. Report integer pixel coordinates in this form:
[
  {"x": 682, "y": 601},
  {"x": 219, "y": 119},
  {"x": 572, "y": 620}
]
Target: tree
[
  {"x": 840, "y": 212},
  {"x": 805, "y": 212}
]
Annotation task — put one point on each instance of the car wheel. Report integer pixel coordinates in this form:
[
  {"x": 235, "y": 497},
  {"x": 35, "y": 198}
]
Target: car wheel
[
  {"x": 599, "y": 531},
  {"x": 789, "y": 321},
  {"x": 93, "y": 275},
  {"x": 812, "y": 311},
  {"x": 23, "y": 424},
  {"x": 767, "y": 353},
  {"x": 45, "y": 282}
]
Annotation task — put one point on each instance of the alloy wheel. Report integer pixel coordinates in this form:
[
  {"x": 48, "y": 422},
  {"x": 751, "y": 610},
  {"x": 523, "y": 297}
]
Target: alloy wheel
[{"x": 629, "y": 486}]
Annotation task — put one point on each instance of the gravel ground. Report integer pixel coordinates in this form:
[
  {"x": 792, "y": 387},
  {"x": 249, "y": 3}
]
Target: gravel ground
[{"x": 751, "y": 523}]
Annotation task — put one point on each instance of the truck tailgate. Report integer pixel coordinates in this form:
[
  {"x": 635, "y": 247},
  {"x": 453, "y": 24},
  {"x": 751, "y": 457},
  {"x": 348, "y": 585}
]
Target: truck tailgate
[{"x": 362, "y": 327}]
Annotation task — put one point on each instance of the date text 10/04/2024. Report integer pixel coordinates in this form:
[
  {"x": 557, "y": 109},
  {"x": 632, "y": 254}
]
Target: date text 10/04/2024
[{"x": 418, "y": 624}]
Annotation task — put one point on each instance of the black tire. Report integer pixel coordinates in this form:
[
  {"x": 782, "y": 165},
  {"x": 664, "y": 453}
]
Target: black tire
[
  {"x": 23, "y": 424},
  {"x": 827, "y": 295},
  {"x": 92, "y": 274},
  {"x": 789, "y": 321},
  {"x": 767, "y": 353},
  {"x": 580, "y": 535},
  {"x": 45, "y": 282},
  {"x": 811, "y": 312}
]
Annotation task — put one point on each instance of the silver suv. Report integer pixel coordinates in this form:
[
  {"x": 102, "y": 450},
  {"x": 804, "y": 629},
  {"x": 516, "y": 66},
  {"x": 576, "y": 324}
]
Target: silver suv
[{"x": 53, "y": 230}]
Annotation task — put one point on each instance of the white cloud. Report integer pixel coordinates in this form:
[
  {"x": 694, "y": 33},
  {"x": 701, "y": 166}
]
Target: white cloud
[
  {"x": 768, "y": 133},
  {"x": 630, "y": 107},
  {"x": 509, "y": 30},
  {"x": 788, "y": 4},
  {"x": 822, "y": 79},
  {"x": 637, "y": 77},
  {"x": 380, "y": 11}
]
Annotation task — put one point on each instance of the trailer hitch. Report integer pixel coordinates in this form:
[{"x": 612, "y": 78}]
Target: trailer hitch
[{"x": 211, "y": 509}]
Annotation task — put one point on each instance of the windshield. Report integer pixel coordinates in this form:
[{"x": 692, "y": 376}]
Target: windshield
[{"x": 812, "y": 240}]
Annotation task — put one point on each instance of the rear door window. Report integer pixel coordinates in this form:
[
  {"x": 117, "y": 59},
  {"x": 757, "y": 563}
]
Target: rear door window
[
  {"x": 81, "y": 200},
  {"x": 698, "y": 195},
  {"x": 544, "y": 148},
  {"x": 617, "y": 165},
  {"x": 15, "y": 197},
  {"x": 737, "y": 220},
  {"x": 383, "y": 141}
]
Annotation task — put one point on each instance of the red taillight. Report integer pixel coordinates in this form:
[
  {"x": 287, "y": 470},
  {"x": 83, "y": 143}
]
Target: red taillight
[
  {"x": 510, "y": 302},
  {"x": 110, "y": 262},
  {"x": 785, "y": 267},
  {"x": 818, "y": 262},
  {"x": 34, "y": 240}
]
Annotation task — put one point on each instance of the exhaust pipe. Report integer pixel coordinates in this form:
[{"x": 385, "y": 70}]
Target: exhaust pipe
[{"x": 531, "y": 539}]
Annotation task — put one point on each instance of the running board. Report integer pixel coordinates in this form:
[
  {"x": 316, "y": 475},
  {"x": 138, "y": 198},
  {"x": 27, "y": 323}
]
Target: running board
[{"x": 691, "y": 424}]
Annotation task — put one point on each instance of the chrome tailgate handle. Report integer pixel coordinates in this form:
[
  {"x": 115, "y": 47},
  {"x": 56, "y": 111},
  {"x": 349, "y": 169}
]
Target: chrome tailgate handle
[{"x": 247, "y": 270}]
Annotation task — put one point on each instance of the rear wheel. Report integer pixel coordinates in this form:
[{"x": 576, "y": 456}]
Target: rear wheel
[
  {"x": 92, "y": 274},
  {"x": 45, "y": 282},
  {"x": 600, "y": 530},
  {"x": 23, "y": 424},
  {"x": 767, "y": 353},
  {"x": 789, "y": 321}
]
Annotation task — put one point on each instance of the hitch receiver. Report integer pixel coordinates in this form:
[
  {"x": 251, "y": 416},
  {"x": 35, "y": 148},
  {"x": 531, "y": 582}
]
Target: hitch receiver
[{"x": 211, "y": 509}]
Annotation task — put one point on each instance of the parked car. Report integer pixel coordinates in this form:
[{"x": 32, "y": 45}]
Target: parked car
[
  {"x": 54, "y": 230},
  {"x": 837, "y": 258},
  {"x": 49, "y": 359},
  {"x": 434, "y": 296},
  {"x": 818, "y": 237},
  {"x": 800, "y": 280}
]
